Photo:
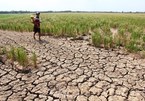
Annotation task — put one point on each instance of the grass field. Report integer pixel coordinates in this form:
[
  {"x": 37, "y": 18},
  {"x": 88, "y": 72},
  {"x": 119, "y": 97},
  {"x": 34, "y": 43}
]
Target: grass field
[{"x": 107, "y": 29}]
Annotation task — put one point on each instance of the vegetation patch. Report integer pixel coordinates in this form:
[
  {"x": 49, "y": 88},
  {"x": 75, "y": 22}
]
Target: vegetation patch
[
  {"x": 130, "y": 28},
  {"x": 18, "y": 58}
]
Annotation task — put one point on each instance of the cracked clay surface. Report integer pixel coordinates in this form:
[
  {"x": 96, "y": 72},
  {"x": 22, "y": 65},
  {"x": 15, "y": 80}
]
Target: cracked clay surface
[{"x": 71, "y": 71}]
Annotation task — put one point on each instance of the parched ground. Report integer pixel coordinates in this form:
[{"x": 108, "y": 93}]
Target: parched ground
[{"x": 71, "y": 71}]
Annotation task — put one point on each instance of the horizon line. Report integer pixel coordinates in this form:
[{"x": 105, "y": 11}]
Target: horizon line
[{"x": 62, "y": 11}]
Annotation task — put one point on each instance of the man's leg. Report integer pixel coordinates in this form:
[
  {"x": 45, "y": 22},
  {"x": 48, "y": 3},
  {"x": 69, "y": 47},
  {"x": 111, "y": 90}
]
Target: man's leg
[
  {"x": 39, "y": 34},
  {"x": 34, "y": 35},
  {"x": 35, "y": 31}
]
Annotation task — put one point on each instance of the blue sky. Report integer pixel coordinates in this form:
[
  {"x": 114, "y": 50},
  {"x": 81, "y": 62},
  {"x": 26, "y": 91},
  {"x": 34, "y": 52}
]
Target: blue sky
[{"x": 74, "y": 5}]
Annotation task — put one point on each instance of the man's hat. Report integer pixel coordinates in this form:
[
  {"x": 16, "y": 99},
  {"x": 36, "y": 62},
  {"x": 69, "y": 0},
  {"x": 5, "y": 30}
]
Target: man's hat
[{"x": 37, "y": 13}]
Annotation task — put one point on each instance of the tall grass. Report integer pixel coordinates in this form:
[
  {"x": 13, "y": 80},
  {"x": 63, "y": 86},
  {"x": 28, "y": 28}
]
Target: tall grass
[
  {"x": 130, "y": 27},
  {"x": 34, "y": 59},
  {"x": 66, "y": 24},
  {"x": 20, "y": 55},
  {"x": 11, "y": 54},
  {"x": 96, "y": 39}
]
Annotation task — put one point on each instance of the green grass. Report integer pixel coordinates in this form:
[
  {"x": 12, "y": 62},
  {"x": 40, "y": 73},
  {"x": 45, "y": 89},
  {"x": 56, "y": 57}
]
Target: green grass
[
  {"x": 131, "y": 27},
  {"x": 69, "y": 24},
  {"x": 3, "y": 50},
  {"x": 34, "y": 59},
  {"x": 11, "y": 54},
  {"x": 97, "y": 39},
  {"x": 20, "y": 55}
]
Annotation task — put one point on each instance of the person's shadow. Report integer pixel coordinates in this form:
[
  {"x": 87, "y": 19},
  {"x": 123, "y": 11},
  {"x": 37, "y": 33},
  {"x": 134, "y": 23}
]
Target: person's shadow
[{"x": 42, "y": 41}]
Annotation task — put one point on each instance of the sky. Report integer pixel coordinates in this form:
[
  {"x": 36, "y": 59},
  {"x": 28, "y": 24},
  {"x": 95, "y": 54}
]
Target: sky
[{"x": 73, "y": 5}]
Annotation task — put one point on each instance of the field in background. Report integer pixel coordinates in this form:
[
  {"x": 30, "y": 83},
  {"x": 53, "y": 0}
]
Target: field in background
[{"x": 107, "y": 30}]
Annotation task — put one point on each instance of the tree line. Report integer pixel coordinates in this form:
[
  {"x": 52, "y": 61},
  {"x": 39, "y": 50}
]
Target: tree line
[{"x": 66, "y": 11}]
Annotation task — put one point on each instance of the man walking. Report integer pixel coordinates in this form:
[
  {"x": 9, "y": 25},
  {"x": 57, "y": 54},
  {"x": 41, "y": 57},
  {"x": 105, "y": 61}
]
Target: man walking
[{"x": 36, "y": 22}]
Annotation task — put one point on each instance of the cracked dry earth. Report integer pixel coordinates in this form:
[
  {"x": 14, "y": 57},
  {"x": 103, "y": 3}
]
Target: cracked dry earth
[{"x": 71, "y": 71}]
